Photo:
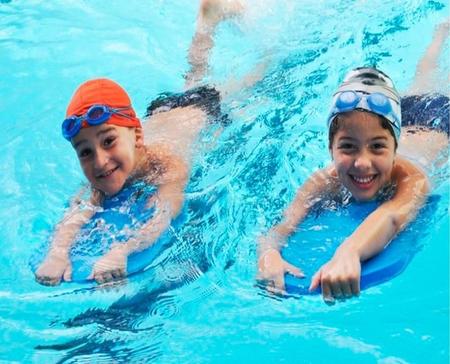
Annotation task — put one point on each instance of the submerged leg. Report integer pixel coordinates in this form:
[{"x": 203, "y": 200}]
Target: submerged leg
[
  {"x": 210, "y": 14},
  {"x": 425, "y": 80}
]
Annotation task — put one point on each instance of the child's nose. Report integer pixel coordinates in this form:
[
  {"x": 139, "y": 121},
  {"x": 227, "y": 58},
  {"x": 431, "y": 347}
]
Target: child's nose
[
  {"x": 363, "y": 161},
  {"x": 101, "y": 158}
]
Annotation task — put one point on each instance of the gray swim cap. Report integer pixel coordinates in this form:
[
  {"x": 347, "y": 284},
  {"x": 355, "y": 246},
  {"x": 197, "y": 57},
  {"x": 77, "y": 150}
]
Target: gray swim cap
[{"x": 369, "y": 89}]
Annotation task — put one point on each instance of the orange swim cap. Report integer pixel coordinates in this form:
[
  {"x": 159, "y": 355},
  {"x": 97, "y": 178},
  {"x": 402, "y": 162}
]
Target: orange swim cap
[{"x": 102, "y": 91}]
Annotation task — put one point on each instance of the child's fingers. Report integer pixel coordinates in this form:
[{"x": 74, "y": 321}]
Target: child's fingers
[
  {"x": 315, "y": 281},
  {"x": 68, "y": 274},
  {"x": 291, "y": 269},
  {"x": 118, "y": 273},
  {"x": 347, "y": 289},
  {"x": 40, "y": 279},
  {"x": 327, "y": 294},
  {"x": 48, "y": 280},
  {"x": 55, "y": 281},
  {"x": 279, "y": 283},
  {"x": 45, "y": 281},
  {"x": 276, "y": 286},
  {"x": 355, "y": 287},
  {"x": 98, "y": 277},
  {"x": 107, "y": 276},
  {"x": 336, "y": 289},
  {"x": 273, "y": 290},
  {"x": 104, "y": 277}
]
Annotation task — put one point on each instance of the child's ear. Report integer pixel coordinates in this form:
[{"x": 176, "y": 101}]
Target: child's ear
[{"x": 139, "y": 137}]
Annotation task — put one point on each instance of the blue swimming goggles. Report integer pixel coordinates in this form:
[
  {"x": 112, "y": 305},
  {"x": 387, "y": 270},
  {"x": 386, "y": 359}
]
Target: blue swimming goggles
[
  {"x": 96, "y": 115},
  {"x": 376, "y": 102}
]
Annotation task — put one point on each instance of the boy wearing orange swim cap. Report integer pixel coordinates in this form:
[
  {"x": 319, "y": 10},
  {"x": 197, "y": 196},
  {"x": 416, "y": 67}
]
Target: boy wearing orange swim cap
[
  {"x": 108, "y": 138},
  {"x": 110, "y": 151}
]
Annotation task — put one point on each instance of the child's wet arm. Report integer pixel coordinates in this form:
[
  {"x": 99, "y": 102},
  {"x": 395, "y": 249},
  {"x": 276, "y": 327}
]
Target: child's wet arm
[
  {"x": 169, "y": 200},
  {"x": 307, "y": 195},
  {"x": 68, "y": 228},
  {"x": 381, "y": 226}
]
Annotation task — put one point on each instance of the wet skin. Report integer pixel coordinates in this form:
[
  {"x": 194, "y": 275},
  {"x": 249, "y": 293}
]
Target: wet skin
[
  {"x": 108, "y": 155},
  {"x": 363, "y": 153}
]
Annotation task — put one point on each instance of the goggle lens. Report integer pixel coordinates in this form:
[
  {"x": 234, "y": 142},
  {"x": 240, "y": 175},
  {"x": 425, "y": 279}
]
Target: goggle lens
[
  {"x": 97, "y": 114},
  {"x": 347, "y": 100},
  {"x": 379, "y": 103},
  {"x": 71, "y": 126}
]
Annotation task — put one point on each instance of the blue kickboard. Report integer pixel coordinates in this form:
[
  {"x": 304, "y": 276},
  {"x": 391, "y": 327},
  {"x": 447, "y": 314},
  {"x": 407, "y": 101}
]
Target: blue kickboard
[
  {"x": 319, "y": 237},
  {"x": 119, "y": 216}
]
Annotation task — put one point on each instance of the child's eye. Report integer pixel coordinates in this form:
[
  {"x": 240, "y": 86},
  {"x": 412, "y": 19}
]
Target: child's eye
[
  {"x": 347, "y": 146},
  {"x": 84, "y": 153},
  {"x": 378, "y": 146},
  {"x": 109, "y": 141}
]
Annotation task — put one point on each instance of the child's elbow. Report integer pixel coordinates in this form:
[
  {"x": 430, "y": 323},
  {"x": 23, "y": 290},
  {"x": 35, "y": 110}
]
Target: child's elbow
[
  {"x": 425, "y": 187},
  {"x": 177, "y": 205},
  {"x": 398, "y": 221},
  {"x": 401, "y": 216},
  {"x": 421, "y": 186}
]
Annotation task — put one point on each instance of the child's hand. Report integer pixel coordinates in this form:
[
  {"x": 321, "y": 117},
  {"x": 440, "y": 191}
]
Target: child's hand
[
  {"x": 53, "y": 269},
  {"x": 112, "y": 266},
  {"x": 271, "y": 270},
  {"x": 340, "y": 277}
]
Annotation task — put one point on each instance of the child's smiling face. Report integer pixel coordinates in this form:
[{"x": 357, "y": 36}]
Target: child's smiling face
[
  {"x": 363, "y": 153},
  {"x": 107, "y": 155}
]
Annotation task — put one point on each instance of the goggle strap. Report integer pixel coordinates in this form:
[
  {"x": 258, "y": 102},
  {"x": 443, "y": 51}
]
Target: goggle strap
[{"x": 121, "y": 114}]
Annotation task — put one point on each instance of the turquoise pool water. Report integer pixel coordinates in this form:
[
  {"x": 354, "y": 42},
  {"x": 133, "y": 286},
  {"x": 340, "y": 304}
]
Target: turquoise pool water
[{"x": 197, "y": 302}]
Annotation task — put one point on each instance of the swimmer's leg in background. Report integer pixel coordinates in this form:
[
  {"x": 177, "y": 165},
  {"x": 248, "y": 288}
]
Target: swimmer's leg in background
[
  {"x": 428, "y": 148},
  {"x": 211, "y": 13},
  {"x": 425, "y": 79}
]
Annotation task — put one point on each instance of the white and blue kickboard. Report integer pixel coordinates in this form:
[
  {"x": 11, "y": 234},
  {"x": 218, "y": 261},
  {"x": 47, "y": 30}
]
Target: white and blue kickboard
[
  {"x": 317, "y": 240},
  {"x": 119, "y": 217}
]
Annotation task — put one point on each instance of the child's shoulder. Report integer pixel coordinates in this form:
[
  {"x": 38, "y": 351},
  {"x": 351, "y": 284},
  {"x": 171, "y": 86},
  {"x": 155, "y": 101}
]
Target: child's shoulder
[
  {"x": 331, "y": 177},
  {"x": 406, "y": 171},
  {"x": 326, "y": 180},
  {"x": 161, "y": 165},
  {"x": 406, "y": 165}
]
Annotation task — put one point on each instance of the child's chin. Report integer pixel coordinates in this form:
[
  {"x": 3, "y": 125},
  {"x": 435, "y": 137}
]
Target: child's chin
[
  {"x": 363, "y": 197},
  {"x": 111, "y": 191}
]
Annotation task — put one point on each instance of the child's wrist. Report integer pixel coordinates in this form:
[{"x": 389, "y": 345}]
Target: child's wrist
[
  {"x": 267, "y": 243},
  {"x": 59, "y": 252},
  {"x": 268, "y": 258},
  {"x": 351, "y": 246},
  {"x": 124, "y": 249},
  {"x": 262, "y": 254}
]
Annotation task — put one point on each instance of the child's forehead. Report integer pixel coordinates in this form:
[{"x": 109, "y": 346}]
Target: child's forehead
[
  {"x": 95, "y": 132},
  {"x": 355, "y": 116},
  {"x": 359, "y": 119},
  {"x": 361, "y": 122}
]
